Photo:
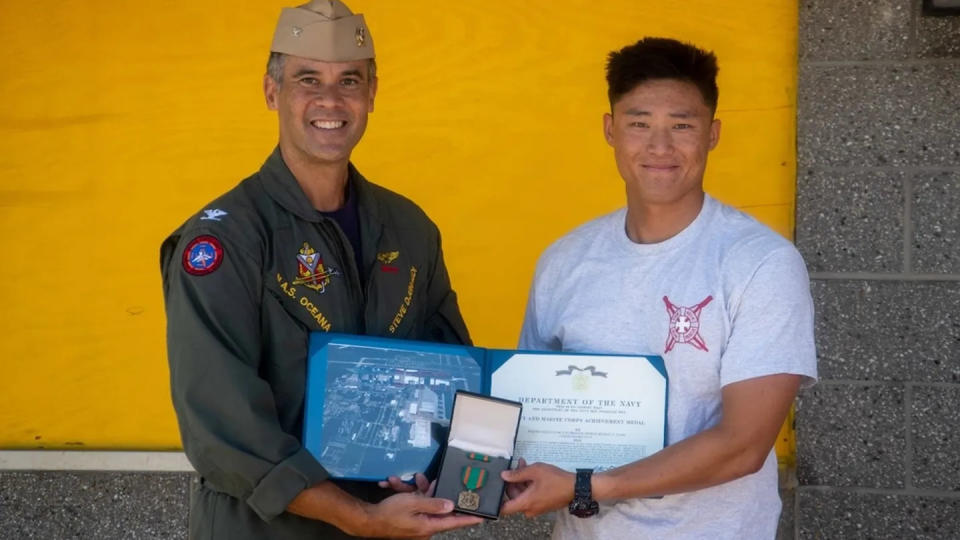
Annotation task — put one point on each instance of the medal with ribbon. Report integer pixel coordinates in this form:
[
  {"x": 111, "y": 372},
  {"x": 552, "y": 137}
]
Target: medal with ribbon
[{"x": 473, "y": 479}]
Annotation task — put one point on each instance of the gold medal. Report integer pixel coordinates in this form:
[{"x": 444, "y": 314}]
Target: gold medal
[
  {"x": 473, "y": 478},
  {"x": 468, "y": 500}
]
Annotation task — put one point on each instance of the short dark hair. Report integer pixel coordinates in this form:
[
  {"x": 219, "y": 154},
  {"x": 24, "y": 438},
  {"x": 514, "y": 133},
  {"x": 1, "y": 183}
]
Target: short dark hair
[{"x": 654, "y": 58}]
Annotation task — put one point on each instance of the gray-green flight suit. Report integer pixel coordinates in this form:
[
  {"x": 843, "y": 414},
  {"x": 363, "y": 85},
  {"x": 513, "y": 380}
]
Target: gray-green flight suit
[{"x": 244, "y": 282}]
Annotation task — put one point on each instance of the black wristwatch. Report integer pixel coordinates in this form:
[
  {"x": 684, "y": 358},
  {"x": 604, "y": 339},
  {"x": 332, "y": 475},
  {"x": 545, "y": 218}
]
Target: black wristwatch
[{"x": 583, "y": 504}]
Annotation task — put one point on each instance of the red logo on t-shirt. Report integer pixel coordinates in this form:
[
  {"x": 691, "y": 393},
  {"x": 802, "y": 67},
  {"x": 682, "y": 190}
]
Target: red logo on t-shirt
[{"x": 685, "y": 324}]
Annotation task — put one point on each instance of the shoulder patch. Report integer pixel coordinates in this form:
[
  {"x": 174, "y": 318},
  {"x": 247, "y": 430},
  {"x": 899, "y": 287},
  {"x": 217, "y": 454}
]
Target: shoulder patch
[{"x": 202, "y": 255}]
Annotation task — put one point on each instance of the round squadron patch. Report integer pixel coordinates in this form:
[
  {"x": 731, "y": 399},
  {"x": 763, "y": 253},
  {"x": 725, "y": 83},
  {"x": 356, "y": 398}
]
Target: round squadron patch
[{"x": 202, "y": 255}]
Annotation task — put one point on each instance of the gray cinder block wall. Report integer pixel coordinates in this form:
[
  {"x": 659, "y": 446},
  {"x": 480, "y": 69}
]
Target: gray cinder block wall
[{"x": 878, "y": 222}]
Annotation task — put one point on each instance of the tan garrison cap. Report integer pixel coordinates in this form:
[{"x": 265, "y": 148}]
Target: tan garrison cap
[{"x": 323, "y": 30}]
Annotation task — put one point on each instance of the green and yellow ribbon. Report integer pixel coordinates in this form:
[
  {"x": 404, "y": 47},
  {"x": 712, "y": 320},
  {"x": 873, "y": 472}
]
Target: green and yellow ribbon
[{"x": 474, "y": 477}]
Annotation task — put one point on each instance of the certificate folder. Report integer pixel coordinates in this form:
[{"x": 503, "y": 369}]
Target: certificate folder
[{"x": 379, "y": 407}]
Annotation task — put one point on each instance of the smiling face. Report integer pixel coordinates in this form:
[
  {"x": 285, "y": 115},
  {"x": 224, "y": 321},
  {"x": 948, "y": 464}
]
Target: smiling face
[
  {"x": 661, "y": 133},
  {"x": 322, "y": 108}
]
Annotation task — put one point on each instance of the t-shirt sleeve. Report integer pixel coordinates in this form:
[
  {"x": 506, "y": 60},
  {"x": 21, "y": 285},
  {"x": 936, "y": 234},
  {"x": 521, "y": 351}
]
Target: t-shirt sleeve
[
  {"x": 772, "y": 323},
  {"x": 531, "y": 337}
]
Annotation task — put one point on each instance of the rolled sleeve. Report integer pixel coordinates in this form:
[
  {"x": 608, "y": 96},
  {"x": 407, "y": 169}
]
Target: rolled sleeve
[{"x": 284, "y": 482}]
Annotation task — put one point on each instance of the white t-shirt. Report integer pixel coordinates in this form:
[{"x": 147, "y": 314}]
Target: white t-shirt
[{"x": 726, "y": 299}]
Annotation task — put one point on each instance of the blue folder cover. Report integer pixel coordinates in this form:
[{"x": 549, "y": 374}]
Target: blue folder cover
[{"x": 379, "y": 407}]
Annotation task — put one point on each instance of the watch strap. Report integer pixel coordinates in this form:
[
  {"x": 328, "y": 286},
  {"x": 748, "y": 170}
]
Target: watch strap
[{"x": 581, "y": 487}]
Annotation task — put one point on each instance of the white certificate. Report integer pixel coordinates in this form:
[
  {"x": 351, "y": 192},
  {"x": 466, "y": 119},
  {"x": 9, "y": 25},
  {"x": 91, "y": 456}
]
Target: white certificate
[{"x": 585, "y": 411}]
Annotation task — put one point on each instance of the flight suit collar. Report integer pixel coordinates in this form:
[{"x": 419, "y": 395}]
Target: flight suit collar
[{"x": 282, "y": 187}]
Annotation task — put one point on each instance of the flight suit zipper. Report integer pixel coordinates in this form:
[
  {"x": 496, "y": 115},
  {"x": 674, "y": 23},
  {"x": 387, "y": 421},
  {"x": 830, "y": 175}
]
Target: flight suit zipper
[{"x": 347, "y": 260}]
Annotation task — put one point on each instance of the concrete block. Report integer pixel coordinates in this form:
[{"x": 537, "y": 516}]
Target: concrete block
[
  {"x": 937, "y": 37},
  {"x": 936, "y": 439},
  {"x": 46, "y": 505},
  {"x": 936, "y": 221},
  {"x": 842, "y": 515},
  {"x": 887, "y": 330},
  {"x": 878, "y": 115},
  {"x": 854, "y": 29},
  {"x": 850, "y": 221},
  {"x": 851, "y": 435}
]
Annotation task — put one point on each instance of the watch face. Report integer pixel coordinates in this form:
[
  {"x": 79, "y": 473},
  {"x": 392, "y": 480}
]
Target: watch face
[
  {"x": 584, "y": 508},
  {"x": 583, "y": 504}
]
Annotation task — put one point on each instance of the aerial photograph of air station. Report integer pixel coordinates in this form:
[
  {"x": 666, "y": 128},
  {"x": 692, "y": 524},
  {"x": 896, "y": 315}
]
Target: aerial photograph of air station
[{"x": 385, "y": 410}]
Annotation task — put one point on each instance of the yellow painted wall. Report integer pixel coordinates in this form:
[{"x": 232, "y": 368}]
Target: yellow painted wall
[{"x": 119, "y": 119}]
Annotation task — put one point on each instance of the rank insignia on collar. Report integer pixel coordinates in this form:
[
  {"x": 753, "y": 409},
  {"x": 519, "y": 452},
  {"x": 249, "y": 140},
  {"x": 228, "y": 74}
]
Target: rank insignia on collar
[
  {"x": 213, "y": 214},
  {"x": 310, "y": 270},
  {"x": 202, "y": 255}
]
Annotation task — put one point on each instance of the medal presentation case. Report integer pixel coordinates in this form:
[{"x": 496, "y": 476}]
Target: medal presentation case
[{"x": 483, "y": 432}]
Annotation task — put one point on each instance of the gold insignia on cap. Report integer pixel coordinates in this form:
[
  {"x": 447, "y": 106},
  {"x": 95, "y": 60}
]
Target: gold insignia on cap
[
  {"x": 361, "y": 36},
  {"x": 324, "y": 30}
]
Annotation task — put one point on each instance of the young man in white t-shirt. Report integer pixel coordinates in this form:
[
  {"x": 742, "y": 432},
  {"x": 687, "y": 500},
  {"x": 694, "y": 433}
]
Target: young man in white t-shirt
[{"x": 722, "y": 298}]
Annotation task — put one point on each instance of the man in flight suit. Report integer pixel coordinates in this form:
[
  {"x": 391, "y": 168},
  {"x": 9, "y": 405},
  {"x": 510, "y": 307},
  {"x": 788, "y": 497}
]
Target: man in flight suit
[{"x": 305, "y": 244}]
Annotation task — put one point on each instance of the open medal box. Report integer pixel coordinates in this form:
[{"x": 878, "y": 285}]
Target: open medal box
[{"x": 483, "y": 431}]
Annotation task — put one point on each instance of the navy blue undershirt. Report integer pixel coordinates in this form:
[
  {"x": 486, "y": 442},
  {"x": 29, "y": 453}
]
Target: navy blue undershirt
[{"x": 348, "y": 218}]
